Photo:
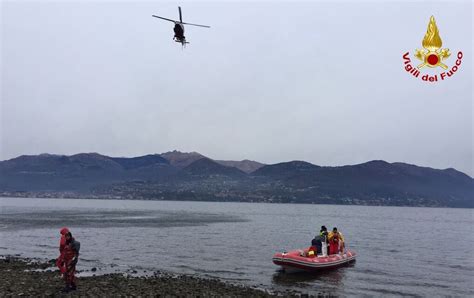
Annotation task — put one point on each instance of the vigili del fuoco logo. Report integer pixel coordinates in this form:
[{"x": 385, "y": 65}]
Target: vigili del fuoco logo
[{"x": 432, "y": 56}]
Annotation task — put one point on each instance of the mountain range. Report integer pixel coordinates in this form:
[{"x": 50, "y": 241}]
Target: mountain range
[{"x": 192, "y": 176}]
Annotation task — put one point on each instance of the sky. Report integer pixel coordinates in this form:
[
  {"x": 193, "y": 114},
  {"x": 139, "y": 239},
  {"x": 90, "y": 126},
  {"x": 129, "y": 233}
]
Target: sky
[{"x": 320, "y": 81}]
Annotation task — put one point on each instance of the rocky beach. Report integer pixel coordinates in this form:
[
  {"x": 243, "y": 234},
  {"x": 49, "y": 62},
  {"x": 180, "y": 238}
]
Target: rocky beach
[{"x": 32, "y": 278}]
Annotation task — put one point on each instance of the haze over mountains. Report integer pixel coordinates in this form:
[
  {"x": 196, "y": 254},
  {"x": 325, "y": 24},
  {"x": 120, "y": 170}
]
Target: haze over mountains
[{"x": 191, "y": 176}]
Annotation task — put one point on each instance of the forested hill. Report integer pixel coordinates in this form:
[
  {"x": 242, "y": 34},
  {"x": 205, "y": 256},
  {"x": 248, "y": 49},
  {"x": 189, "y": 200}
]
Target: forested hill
[{"x": 191, "y": 176}]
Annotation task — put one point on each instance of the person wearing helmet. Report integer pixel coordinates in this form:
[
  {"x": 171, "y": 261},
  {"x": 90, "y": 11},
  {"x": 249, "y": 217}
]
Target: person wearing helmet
[
  {"x": 320, "y": 240},
  {"x": 62, "y": 244},
  {"x": 336, "y": 242},
  {"x": 67, "y": 260}
]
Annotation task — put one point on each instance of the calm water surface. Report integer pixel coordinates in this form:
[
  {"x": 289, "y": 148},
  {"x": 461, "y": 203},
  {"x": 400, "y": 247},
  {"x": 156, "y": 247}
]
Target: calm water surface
[{"x": 401, "y": 251}]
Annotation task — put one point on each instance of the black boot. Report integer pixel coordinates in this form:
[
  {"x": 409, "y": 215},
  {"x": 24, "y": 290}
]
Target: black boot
[
  {"x": 73, "y": 287},
  {"x": 66, "y": 289}
]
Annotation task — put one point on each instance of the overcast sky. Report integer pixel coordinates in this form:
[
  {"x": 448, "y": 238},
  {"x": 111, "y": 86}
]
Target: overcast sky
[{"x": 270, "y": 81}]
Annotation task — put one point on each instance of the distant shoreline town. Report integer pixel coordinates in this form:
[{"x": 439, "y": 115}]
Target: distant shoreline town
[{"x": 193, "y": 177}]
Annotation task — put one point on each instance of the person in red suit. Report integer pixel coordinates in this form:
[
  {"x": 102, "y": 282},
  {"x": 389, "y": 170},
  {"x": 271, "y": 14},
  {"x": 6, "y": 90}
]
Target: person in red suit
[
  {"x": 62, "y": 244},
  {"x": 69, "y": 255}
]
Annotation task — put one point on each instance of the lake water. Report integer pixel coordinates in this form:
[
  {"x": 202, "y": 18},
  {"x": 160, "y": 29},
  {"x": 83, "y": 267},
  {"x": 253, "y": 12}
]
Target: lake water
[{"x": 401, "y": 251}]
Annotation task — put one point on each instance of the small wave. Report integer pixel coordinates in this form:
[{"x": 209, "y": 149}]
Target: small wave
[
  {"x": 372, "y": 271},
  {"x": 184, "y": 267},
  {"x": 89, "y": 260},
  {"x": 221, "y": 271},
  {"x": 387, "y": 291},
  {"x": 461, "y": 267},
  {"x": 46, "y": 246},
  {"x": 211, "y": 259}
]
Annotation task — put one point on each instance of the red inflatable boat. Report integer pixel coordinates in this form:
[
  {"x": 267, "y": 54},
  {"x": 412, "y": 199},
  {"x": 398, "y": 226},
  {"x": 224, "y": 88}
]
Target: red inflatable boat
[{"x": 297, "y": 260}]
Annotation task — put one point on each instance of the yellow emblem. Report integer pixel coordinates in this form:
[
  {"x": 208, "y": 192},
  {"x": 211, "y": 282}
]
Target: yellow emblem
[{"x": 432, "y": 55}]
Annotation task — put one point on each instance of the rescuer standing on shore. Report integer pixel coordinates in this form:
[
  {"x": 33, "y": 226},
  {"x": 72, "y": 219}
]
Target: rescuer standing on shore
[{"x": 69, "y": 255}]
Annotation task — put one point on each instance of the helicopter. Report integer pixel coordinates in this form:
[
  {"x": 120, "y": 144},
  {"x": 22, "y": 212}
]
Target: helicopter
[{"x": 179, "y": 28}]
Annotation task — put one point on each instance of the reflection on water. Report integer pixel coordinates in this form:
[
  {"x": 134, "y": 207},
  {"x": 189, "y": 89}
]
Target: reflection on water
[
  {"x": 331, "y": 276},
  {"x": 398, "y": 248},
  {"x": 283, "y": 278},
  {"x": 327, "y": 281}
]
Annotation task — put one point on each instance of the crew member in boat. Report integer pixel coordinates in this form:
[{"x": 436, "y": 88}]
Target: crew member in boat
[
  {"x": 336, "y": 242},
  {"x": 321, "y": 238}
]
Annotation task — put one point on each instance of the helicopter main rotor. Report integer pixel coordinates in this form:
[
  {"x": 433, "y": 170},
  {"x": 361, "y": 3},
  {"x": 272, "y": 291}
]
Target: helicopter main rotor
[{"x": 180, "y": 20}]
